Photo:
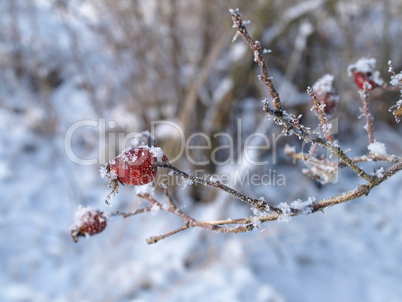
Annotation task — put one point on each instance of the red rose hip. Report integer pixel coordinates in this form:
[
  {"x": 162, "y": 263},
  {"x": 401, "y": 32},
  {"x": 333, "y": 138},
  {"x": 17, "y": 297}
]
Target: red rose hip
[
  {"x": 364, "y": 74},
  {"x": 362, "y": 78},
  {"x": 88, "y": 222},
  {"x": 134, "y": 166}
]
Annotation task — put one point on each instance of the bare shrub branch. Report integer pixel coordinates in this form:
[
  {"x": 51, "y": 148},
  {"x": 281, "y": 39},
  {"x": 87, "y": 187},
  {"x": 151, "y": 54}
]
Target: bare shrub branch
[{"x": 262, "y": 211}]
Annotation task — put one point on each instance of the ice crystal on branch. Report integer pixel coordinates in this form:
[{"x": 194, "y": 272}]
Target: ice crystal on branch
[
  {"x": 304, "y": 207},
  {"x": 365, "y": 65},
  {"x": 377, "y": 148},
  {"x": 256, "y": 222},
  {"x": 380, "y": 172},
  {"x": 286, "y": 212},
  {"x": 147, "y": 189},
  {"x": 396, "y": 80},
  {"x": 188, "y": 182}
]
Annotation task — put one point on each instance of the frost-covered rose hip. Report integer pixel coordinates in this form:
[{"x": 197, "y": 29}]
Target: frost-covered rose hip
[
  {"x": 363, "y": 71},
  {"x": 134, "y": 166},
  {"x": 88, "y": 222},
  {"x": 325, "y": 92},
  {"x": 361, "y": 78}
]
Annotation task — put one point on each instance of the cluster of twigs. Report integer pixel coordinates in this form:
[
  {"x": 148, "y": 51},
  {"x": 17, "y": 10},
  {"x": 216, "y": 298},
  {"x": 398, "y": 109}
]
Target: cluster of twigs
[
  {"x": 262, "y": 211},
  {"x": 244, "y": 224}
]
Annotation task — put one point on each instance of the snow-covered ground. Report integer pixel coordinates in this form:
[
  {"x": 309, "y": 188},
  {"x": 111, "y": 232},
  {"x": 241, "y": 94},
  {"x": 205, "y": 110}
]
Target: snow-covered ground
[{"x": 351, "y": 252}]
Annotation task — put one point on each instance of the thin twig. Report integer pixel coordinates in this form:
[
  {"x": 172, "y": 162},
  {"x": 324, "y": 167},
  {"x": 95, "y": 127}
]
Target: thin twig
[
  {"x": 258, "y": 203},
  {"x": 321, "y": 115},
  {"x": 169, "y": 197},
  {"x": 258, "y": 57},
  {"x": 128, "y": 214},
  {"x": 358, "y": 159},
  {"x": 155, "y": 239},
  {"x": 302, "y": 133},
  {"x": 360, "y": 191},
  {"x": 173, "y": 210},
  {"x": 364, "y": 94}
]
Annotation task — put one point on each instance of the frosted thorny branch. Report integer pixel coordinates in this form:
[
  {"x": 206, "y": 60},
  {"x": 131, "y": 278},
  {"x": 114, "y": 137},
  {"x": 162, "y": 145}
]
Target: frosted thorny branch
[
  {"x": 364, "y": 94},
  {"x": 291, "y": 126},
  {"x": 261, "y": 210}
]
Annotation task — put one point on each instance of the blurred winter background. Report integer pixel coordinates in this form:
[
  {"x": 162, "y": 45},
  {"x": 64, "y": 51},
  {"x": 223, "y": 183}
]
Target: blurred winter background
[{"x": 116, "y": 66}]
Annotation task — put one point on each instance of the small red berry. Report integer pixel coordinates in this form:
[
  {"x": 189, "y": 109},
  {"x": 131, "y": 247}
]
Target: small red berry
[
  {"x": 364, "y": 77},
  {"x": 88, "y": 222},
  {"x": 363, "y": 71}
]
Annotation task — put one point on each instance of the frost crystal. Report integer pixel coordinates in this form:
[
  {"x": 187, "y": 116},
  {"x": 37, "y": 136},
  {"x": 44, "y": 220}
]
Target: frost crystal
[
  {"x": 325, "y": 93},
  {"x": 155, "y": 209},
  {"x": 377, "y": 148},
  {"x": 165, "y": 207},
  {"x": 186, "y": 182},
  {"x": 147, "y": 189},
  {"x": 157, "y": 152},
  {"x": 81, "y": 213},
  {"x": 303, "y": 206},
  {"x": 366, "y": 66},
  {"x": 141, "y": 139},
  {"x": 285, "y": 216},
  {"x": 256, "y": 221},
  {"x": 324, "y": 84},
  {"x": 237, "y": 34},
  {"x": 363, "y": 65},
  {"x": 103, "y": 172},
  {"x": 256, "y": 56},
  {"x": 396, "y": 80},
  {"x": 380, "y": 172},
  {"x": 390, "y": 68}
]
